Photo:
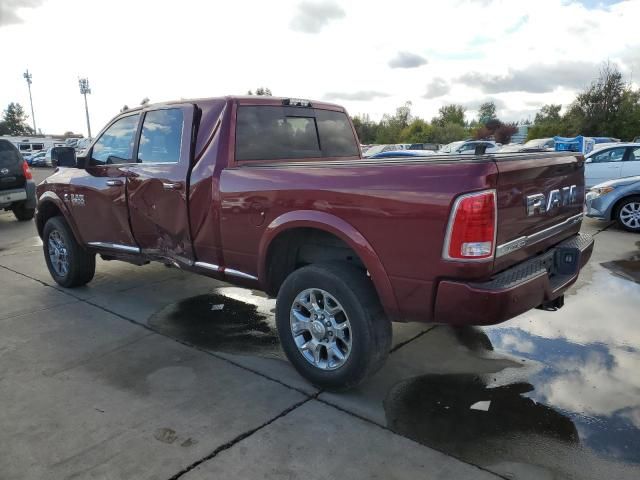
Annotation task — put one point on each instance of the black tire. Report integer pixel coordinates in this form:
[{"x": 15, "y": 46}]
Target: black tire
[
  {"x": 23, "y": 213},
  {"x": 620, "y": 211},
  {"x": 81, "y": 264},
  {"x": 370, "y": 330}
]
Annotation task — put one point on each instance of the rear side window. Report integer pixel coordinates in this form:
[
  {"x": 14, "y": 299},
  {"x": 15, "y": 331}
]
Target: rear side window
[
  {"x": 270, "y": 133},
  {"x": 161, "y": 138},
  {"x": 336, "y": 135}
]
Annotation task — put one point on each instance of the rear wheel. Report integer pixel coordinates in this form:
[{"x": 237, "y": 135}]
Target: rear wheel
[
  {"x": 70, "y": 265},
  {"x": 331, "y": 325},
  {"x": 23, "y": 213},
  {"x": 628, "y": 214}
]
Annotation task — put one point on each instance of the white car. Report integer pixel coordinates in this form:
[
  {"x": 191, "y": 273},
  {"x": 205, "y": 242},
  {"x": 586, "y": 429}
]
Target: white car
[
  {"x": 469, "y": 147},
  {"x": 612, "y": 162}
]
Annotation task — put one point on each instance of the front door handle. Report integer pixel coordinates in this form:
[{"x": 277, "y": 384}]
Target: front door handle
[
  {"x": 172, "y": 185},
  {"x": 115, "y": 183}
]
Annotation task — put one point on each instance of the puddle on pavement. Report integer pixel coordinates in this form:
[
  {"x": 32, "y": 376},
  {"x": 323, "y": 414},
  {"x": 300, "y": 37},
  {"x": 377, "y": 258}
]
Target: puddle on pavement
[
  {"x": 628, "y": 269},
  {"x": 572, "y": 411},
  {"x": 219, "y": 323}
]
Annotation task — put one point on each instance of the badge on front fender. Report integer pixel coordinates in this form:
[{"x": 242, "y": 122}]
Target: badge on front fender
[{"x": 76, "y": 199}]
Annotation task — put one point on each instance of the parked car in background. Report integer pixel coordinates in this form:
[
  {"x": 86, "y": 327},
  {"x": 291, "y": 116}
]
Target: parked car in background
[
  {"x": 600, "y": 146},
  {"x": 37, "y": 159},
  {"x": 403, "y": 153},
  {"x": 450, "y": 147},
  {"x": 611, "y": 163},
  {"x": 617, "y": 200},
  {"x": 599, "y": 140},
  {"x": 17, "y": 188},
  {"x": 535, "y": 145},
  {"x": 375, "y": 149},
  {"x": 469, "y": 147},
  {"x": 434, "y": 147}
]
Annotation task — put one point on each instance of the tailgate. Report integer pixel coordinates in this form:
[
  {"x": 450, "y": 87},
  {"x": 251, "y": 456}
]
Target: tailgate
[{"x": 540, "y": 203}]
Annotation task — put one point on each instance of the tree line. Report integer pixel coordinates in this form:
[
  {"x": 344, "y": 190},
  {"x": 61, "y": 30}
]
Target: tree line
[
  {"x": 609, "y": 107},
  {"x": 448, "y": 126}
]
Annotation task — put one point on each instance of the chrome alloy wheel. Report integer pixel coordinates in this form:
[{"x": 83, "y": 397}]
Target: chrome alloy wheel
[
  {"x": 320, "y": 329},
  {"x": 58, "y": 253},
  {"x": 630, "y": 215}
]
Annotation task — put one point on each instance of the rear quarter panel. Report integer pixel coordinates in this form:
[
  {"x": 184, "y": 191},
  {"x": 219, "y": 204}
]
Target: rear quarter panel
[{"x": 401, "y": 208}]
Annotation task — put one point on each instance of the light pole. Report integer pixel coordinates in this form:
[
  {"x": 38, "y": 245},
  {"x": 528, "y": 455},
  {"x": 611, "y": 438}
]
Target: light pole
[
  {"x": 27, "y": 76},
  {"x": 84, "y": 89}
]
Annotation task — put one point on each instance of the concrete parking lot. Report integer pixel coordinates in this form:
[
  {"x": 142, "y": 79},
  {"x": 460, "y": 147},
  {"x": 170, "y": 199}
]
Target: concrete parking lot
[{"x": 142, "y": 375}]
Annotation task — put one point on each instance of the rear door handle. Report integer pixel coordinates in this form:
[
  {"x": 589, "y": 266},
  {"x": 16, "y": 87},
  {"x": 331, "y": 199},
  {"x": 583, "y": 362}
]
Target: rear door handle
[
  {"x": 171, "y": 185},
  {"x": 115, "y": 183}
]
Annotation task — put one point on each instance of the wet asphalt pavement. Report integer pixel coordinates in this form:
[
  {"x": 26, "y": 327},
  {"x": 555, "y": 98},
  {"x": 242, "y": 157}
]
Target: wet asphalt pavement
[
  {"x": 545, "y": 395},
  {"x": 567, "y": 403}
]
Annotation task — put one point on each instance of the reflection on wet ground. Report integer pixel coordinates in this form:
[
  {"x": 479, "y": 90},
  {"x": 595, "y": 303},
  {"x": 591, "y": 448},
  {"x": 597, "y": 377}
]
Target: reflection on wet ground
[
  {"x": 629, "y": 269},
  {"x": 218, "y": 322},
  {"x": 546, "y": 395}
]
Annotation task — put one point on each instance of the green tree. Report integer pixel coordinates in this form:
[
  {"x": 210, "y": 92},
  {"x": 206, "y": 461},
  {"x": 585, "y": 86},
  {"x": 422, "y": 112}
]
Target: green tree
[
  {"x": 418, "y": 131},
  {"x": 450, "y": 114},
  {"x": 391, "y": 126},
  {"x": 365, "y": 128},
  {"x": 548, "y": 123},
  {"x": 261, "y": 91},
  {"x": 486, "y": 112},
  {"x": 626, "y": 126},
  {"x": 600, "y": 103},
  {"x": 14, "y": 121},
  {"x": 449, "y": 132}
]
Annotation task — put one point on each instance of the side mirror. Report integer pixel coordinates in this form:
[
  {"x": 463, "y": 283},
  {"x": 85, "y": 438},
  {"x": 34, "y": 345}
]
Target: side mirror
[
  {"x": 63, "y": 157},
  {"x": 588, "y": 160}
]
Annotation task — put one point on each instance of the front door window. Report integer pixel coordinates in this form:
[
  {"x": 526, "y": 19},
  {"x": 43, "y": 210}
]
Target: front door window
[{"x": 115, "y": 146}]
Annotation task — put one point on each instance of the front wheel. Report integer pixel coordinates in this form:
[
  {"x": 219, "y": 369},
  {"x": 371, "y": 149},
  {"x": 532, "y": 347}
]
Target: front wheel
[
  {"x": 331, "y": 325},
  {"x": 628, "y": 214},
  {"x": 69, "y": 264}
]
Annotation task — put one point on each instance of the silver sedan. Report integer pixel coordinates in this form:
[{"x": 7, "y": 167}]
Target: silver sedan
[{"x": 616, "y": 200}]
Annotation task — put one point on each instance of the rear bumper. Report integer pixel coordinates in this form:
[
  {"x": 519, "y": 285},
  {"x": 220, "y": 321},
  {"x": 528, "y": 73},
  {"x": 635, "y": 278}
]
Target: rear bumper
[
  {"x": 511, "y": 292},
  {"x": 25, "y": 194}
]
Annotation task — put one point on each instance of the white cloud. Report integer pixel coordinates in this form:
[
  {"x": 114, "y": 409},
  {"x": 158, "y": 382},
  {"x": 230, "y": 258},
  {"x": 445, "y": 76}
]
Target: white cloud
[
  {"x": 9, "y": 10},
  {"x": 312, "y": 17},
  {"x": 359, "y": 95},
  {"x": 407, "y": 60},
  {"x": 437, "y": 88},
  {"x": 535, "y": 78}
]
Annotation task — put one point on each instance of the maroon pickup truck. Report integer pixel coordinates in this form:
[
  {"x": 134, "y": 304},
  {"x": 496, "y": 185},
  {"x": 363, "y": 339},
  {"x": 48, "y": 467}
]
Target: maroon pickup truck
[{"x": 274, "y": 194}]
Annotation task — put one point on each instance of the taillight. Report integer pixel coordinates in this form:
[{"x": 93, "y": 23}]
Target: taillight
[
  {"x": 471, "y": 234},
  {"x": 26, "y": 170}
]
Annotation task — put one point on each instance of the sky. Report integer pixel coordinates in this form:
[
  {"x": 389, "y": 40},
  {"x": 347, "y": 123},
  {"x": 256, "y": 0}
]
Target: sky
[{"x": 367, "y": 55}]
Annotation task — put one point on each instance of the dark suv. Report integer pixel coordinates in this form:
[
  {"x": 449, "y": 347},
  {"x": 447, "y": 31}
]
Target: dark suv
[{"x": 17, "y": 189}]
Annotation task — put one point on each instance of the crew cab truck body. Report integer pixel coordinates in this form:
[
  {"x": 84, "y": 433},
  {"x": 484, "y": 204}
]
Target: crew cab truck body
[{"x": 273, "y": 194}]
